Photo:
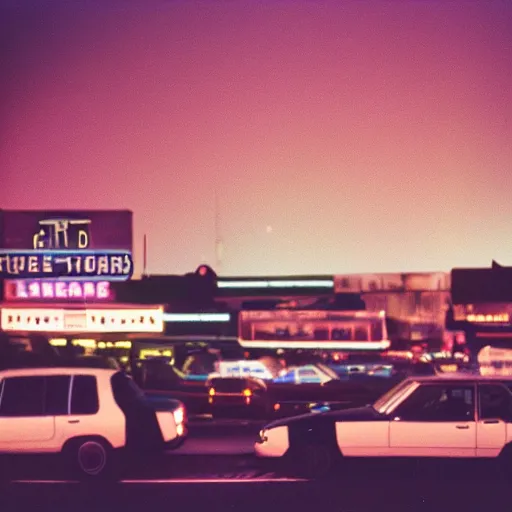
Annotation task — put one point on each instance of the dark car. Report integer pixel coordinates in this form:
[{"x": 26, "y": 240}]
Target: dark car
[{"x": 238, "y": 397}]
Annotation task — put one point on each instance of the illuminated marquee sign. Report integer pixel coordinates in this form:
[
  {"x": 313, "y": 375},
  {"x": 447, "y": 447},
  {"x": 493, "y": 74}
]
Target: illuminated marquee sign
[
  {"x": 497, "y": 313},
  {"x": 69, "y": 290},
  {"x": 82, "y": 320},
  {"x": 74, "y": 264},
  {"x": 67, "y": 255}
]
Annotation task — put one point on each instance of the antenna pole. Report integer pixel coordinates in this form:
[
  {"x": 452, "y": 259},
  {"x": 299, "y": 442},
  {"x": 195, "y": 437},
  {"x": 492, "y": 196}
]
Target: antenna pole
[
  {"x": 145, "y": 256},
  {"x": 218, "y": 240}
]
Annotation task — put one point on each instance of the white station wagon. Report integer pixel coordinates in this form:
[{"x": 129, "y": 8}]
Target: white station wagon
[
  {"x": 89, "y": 415},
  {"x": 465, "y": 416}
]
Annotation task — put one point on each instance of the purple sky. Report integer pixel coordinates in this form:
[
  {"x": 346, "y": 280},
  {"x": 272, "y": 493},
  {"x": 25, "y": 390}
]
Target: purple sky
[{"x": 341, "y": 137}]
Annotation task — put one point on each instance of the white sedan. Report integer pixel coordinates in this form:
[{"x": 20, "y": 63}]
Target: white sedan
[{"x": 451, "y": 416}]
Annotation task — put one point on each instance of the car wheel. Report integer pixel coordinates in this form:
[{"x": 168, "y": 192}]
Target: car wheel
[
  {"x": 312, "y": 461},
  {"x": 91, "y": 459}
]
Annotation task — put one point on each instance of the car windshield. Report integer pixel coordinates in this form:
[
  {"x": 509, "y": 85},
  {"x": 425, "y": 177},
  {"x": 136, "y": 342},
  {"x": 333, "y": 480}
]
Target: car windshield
[
  {"x": 328, "y": 371},
  {"x": 385, "y": 400}
]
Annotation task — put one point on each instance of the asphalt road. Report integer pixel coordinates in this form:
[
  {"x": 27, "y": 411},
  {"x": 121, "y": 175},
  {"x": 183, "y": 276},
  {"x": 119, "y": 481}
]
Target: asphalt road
[
  {"x": 215, "y": 471},
  {"x": 358, "y": 488}
]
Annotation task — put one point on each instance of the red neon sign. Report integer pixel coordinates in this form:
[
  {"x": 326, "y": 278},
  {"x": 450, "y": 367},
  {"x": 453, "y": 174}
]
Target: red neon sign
[{"x": 61, "y": 290}]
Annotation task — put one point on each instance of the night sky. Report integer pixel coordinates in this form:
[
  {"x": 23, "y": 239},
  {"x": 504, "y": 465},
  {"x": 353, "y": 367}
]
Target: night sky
[{"x": 341, "y": 137}]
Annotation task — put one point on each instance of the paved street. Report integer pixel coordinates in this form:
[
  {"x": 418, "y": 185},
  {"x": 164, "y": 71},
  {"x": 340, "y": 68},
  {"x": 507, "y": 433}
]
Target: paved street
[
  {"x": 215, "y": 471},
  {"x": 371, "y": 488}
]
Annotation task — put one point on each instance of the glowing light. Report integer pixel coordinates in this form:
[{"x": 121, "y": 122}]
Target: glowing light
[
  {"x": 211, "y": 392},
  {"x": 58, "y": 342},
  {"x": 480, "y": 318},
  {"x": 75, "y": 264},
  {"x": 318, "y": 283},
  {"x": 247, "y": 392},
  {"x": 179, "y": 415},
  {"x": 319, "y": 345},
  {"x": 57, "y": 289},
  {"x": 81, "y": 320},
  {"x": 153, "y": 352},
  {"x": 84, "y": 343},
  {"x": 196, "y": 317}
]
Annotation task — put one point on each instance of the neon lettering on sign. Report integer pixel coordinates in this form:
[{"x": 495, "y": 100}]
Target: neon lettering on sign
[
  {"x": 69, "y": 290},
  {"x": 85, "y": 320},
  {"x": 62, "y": 234},
  {"x": 75, "y": 264}
]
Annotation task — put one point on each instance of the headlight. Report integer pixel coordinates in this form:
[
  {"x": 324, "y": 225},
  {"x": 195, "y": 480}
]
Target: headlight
[{"x": 179, "y": 416}]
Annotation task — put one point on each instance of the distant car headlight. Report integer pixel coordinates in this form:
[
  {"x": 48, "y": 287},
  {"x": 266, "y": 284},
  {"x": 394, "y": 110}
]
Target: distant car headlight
[{"x": 179, "y": 416}]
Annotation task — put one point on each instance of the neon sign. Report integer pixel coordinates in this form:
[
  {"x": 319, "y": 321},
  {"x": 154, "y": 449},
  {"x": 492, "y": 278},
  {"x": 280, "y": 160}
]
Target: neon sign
[
  {"x": 76, "y": 264},
  {"x": 82, "y": 320},
  {"x": 62, "y": 234},
  {"x": 197, "y": 317},
  {"x": 495, "y": 318},
  {"x": 79, "y": 290}
]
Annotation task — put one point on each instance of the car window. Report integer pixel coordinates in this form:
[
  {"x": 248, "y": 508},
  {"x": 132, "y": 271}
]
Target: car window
[
  {"x": 438, "y": 402},
  {"x": 307, "y": 373},
  {"x": 84, "y": 395},
  {"x": 495, "y": 402},
  {"x": 23, "y": 397},
  {"x": 390, "y": 396},
  {"x": 57, "y": 395}
]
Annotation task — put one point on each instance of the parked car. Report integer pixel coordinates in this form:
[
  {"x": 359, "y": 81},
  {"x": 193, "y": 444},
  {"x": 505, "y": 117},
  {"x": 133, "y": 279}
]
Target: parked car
[
  {"x": 463, "y": 416},
  {"x": 238, "y": 396},
  {"x": 96, "y": 418}
]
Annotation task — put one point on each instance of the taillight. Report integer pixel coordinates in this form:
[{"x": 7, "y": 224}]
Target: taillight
[
  {"x": 247, "y": 392},
  {"x": 211, "y": 392}
]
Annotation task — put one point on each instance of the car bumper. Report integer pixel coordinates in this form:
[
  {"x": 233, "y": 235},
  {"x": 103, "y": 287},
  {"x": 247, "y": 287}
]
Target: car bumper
[{"x": 272, "y": 443}]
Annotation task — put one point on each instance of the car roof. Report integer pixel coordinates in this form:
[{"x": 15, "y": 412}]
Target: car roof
[{"x": 56, "y": 370}]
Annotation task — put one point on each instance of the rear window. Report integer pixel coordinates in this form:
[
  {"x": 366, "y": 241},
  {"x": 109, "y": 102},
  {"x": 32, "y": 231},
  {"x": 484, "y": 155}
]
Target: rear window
[
  {"x": 229, "y": 384},
  {"x": 84, "y": 395}
]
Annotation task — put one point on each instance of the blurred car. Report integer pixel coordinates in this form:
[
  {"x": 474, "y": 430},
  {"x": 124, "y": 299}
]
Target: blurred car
[
  {"x": 238, "y": 396},
  {"x": 307, "y": 374}
]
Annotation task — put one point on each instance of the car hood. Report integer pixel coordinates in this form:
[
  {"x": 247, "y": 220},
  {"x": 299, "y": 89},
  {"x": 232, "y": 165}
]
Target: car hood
[{"x": 367, "y": 413}]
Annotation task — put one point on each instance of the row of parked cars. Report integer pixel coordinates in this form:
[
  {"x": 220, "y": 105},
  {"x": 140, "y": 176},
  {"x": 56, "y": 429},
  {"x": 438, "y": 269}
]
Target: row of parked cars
[{"x": 254, "y": 389}]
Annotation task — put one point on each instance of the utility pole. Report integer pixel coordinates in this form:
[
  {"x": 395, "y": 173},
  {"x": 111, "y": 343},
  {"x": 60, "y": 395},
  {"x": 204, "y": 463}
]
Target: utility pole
[{"x": 218, "y": 237}]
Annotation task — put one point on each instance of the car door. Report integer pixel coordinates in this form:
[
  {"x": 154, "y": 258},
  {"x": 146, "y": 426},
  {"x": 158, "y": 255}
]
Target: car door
[
  {"x": 436, "y": 420},
  {"x": 83, "y": 407},
  {"x": 24, "y": 427},
  {"x": 494, "y": 413}
]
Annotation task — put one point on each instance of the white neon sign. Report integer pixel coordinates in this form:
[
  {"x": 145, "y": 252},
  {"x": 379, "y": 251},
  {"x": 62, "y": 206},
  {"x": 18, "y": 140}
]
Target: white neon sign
[
  {"x": 320, "y": 345},
  {"x": 82, "y": 320},
  {"x": 197, "y": 317},
  {"x": 264, "y": 283}
]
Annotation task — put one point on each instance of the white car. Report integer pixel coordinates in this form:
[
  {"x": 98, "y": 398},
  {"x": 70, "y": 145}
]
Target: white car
[
  {"x": 465, "y": 416},
  {"x": 89, "y": 415}
]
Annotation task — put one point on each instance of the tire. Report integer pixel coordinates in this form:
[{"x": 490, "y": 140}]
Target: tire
[
  {"x": 312, "y": 461},
  {"x": 91, "y": 460}
]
